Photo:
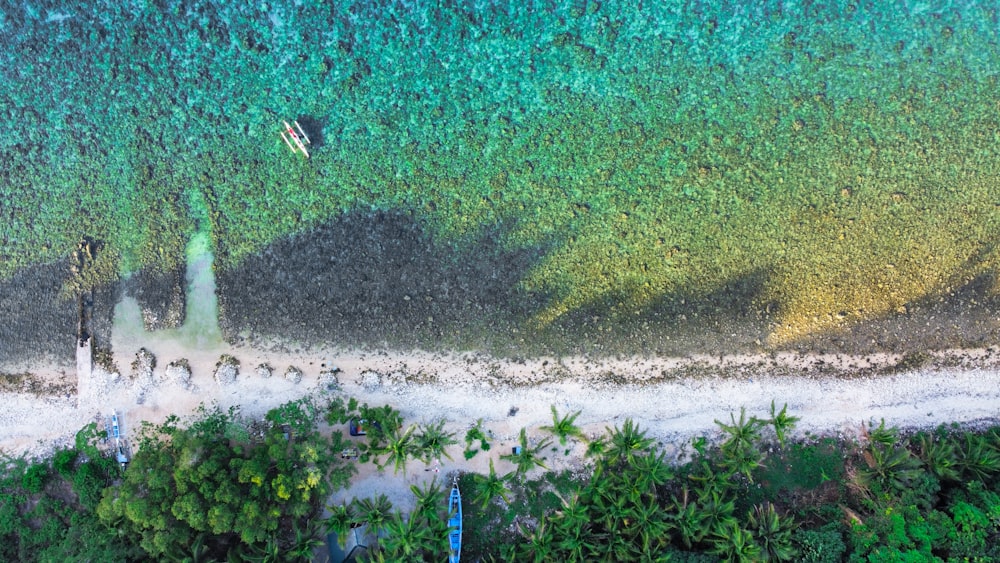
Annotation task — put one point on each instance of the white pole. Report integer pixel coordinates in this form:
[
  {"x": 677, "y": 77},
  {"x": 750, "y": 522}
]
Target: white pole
[{"x": 303, "y": 132}]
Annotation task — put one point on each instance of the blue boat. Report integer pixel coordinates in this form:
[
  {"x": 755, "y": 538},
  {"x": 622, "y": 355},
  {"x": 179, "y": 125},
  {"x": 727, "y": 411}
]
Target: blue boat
[
  {"x": 115, "y": 431},
  {"x": 455, "y": 523}
]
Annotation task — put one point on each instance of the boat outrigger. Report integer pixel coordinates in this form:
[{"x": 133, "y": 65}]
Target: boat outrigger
[
  {"x": 296, "y": 141},
  {"x": 454, "y": 523}
]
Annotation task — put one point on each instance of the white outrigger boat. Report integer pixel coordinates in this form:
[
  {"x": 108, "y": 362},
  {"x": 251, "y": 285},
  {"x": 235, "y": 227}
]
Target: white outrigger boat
[{"x": 296, "y": 141}]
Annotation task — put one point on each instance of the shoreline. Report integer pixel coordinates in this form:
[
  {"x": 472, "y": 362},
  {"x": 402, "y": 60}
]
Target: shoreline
[{"x": 675, "y": 399}]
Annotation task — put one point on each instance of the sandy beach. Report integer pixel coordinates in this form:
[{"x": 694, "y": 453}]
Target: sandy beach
[{"x": 673, "y": 399}]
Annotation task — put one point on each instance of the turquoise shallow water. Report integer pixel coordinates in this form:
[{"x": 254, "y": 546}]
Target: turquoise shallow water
[
  {"x": 837, "y": 161},
  {"x": 200, "y": 329}
]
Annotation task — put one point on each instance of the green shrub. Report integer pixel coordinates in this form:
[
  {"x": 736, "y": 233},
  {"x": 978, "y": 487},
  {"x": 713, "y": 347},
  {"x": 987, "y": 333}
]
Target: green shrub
[
  {"x": 35, "y": 477},
  {"x": 63, "y": 462},
  {"x": 89, "y": 482},
  {"x": 825, "y": 545}
]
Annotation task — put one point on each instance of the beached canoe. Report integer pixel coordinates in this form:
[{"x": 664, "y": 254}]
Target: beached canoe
[{"x": 455, "y": 523}]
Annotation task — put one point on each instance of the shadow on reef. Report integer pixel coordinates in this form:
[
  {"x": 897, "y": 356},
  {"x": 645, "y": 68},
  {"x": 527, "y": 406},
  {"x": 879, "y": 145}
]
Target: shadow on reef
[
  {"x": 160, "y": 296},
  {"x": 963, "y": 318},
  {"x": 40, "y": 323},
  {"x": 736, "y": 318},
  {"x": 733, "y": 318},
  {"x": 378, "y": 280}
]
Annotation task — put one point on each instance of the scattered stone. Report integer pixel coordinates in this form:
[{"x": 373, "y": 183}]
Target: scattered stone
[
  {"x": 264, "y": 371},
  {"x": 371, "y": 381},
  {"x": 395, "y": 381},
  {"x": 180, "y": 372},
  {"x": 293, "y": 374},
  {"x": 142, "y": 373},
  {"x": 161, "y": 298},
  {"x": 104, "y": 359},
  {"x": 226, "y": 370},
  {"x": 144, "y": 362},
  {"x": 512, "y": 411},
  {"x": 328, "y": 380}
]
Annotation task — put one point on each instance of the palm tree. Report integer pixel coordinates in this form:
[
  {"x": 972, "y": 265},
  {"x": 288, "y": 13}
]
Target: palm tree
[
  {"x": 773, "y": 533},
  {"x": 425, "y": 531},
  {"x": 977, "y": 458},
  {"x": 718, "y": 511},
  {"x": 891, "y": 466},
  {"x": 476, "y": 433},
  {"x": 430, "y": 501},
  {"x": 627, "y": 442},
  {"x": 433, "y": 440},
  {"x": 881, "y": 435},
  {"x": 596, "y": 448},
  {"x": 613, "y": 548},
  {"x": 375, "y": 512},
  {"x": 650, "y": 471},
  {"x": 732, "y": 543},
  {"x": 742, "y": 462},
  {"x": 563, "y": 427},
  {"x": 572, "y": 514},
  {"x": 540, "y": 546},
  {"x": 743, "y": 434},
  {"x": 576, "y": 543},
  {"x": 740, "y": 453},
  {"x": 270, "y": 552},
  {"x": 528, "y": 458},
  {"x": 690, "y": 522},
  {"x": 782, "y": 423},
  {"x": 491, "y": 486},
  {"x": 436, "y": 540},
  {"x": 651, "y": 524},
  {"x": 194, "y": 553},
  {"x": 339, "y": 522},
  {"x": 405, "y": 538},
  {"x": 399, "y": 448},
  {"x": 305, "y": 544},
  {"x": 654, "y": 557},
  {"x": 382, "y": 423},
  {"x": 939, "y": 455},
  {"x": 612, "y": 510},
  {"x": 708, "y": 480}
]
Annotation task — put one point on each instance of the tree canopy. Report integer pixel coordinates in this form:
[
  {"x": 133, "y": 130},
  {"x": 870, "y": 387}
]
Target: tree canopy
[{"x": 226, "y": 480}]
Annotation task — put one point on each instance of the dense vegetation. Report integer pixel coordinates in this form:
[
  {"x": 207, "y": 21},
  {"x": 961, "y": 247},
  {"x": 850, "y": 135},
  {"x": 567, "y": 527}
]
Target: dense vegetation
[
  {"x": 224, "y": 486},
  {"x": 221, "y": 486},
  {"x": 753, "y": 496}
]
